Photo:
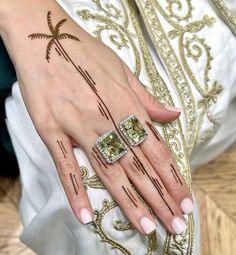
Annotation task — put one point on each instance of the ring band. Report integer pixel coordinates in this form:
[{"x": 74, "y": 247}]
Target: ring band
[
  {"x": 133, "y": 130},
  {"x": 111, "y": 146}
]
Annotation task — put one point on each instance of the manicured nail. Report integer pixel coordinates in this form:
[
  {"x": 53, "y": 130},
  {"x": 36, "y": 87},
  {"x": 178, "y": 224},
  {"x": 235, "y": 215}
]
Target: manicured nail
[
  {"x": 147, "y": 225},
  {"x": 172, "y": 108},
  {"x": 178, "y": 225},
  {"x": 85, "y": 216},
  {"x": 187, "y": 205}
]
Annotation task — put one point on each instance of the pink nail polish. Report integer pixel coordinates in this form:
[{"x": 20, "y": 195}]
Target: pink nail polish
[
  {"x": 85, "y": 216},
  {"x": 172, "y": 108},
  {"x": 187, "y": 205},
  {"x": 178, "y": 225},
  {"x": 147, "y": 225}
]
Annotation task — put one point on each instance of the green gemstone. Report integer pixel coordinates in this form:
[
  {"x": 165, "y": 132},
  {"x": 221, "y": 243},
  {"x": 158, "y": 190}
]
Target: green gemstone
[
  {"x": 134, "y": 130},
  {"x": 112, "y": 146}
]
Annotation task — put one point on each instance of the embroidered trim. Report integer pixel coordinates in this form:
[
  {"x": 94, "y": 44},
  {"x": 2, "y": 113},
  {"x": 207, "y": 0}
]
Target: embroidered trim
[{"x": 226, "y": 14}]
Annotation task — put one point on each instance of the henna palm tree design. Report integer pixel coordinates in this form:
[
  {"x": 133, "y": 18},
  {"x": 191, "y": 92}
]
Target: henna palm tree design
[{"x": 54, "y": 37}]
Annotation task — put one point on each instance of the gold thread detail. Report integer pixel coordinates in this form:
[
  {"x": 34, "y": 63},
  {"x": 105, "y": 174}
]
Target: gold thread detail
[{"x": 226, "y": 14}]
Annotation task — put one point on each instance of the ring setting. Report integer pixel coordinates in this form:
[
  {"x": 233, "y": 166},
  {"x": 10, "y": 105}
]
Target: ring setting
[
  {"x": 111, "y": 146},
  {"x": 133, "y": 130}
]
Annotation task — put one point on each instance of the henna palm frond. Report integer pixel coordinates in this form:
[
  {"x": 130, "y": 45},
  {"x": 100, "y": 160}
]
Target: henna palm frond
[
  {"x": 51, "y": 27},
  {"x": 39, "y": 36},
  {"x": 59, "y": 24},
  {"x": 55, "y": 35},
  {"x": 49, "y": 48},
  {"x": 67, "y": 36}
]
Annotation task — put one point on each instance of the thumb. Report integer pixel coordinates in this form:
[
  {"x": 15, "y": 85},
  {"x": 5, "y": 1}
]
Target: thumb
[{"x": 155, "y": 109}]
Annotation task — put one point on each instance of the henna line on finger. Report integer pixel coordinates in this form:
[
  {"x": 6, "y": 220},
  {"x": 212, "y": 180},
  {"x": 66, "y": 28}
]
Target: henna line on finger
[
  {"x": 130, "y": 197},
  {"x": 76, "y": 181},
  {"x": 134, "y": 198},
  {"x": 175, "y": 174},
  {"x": 155, "y": 184},
  {"x": 158, "y": 183},
  {"x": 72, "y": 180},
  {"x": 136, "y": 165},
  {"x": 96, "y": 159},
  {"x": 62, "y": 148},
  {"x": 140, "y": 165},
  {"x": 153, "y": 130},
  {"x": 103, "y": 110},
  {"x": 98, "y": 156}
]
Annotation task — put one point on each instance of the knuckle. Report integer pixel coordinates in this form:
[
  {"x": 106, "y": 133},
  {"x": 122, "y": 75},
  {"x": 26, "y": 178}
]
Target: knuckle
[
  {"x": 161, "y": 154},
  {"x": 179, "y": 190},
  {"x": 66, "y": 167},
  {"x": 113, "y": 173}
]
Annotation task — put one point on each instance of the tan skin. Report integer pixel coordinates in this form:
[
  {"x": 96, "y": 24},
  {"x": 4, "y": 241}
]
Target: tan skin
[{"x": 64, "y": 110}]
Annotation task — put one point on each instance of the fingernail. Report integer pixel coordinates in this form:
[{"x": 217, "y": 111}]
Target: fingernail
[
  {"x": 172, "y": 108},
  {"x": 178, "y": 225},
  {"x": 187, "y": 205},
  {"x": 85, "y": 216},
  {"x": 147, "y": 225}
]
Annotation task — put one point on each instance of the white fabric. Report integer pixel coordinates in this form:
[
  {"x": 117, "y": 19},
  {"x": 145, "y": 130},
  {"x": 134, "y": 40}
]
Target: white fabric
[
  {"x": 231, "y": 5},
  {"x": 49, "y": 224}
]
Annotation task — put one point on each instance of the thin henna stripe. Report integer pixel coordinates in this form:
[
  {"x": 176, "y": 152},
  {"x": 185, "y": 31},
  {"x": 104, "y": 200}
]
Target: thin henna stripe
[
  {"x": 99, "y": 158},
  {"x": 153, "y": 130},
  {"x": 134, "y": 198},
  {"x": 100, "y": 110},
  {"x": 63, "y": 54},
  {"x": 76, "y": 181},
  {"x": 87, "y": 79},
  {"x": 137, "y": 166},
  {"x": 61, "y": 148},
  {"x": 140, "y": 164},
  {"x": 90, "y": 77},
  {"x": 96, "y": 159},
  {"x": 72, "y": 180},
  {"x": 157, "y": 187},
  {"x": 58, "y": 52},
  {"x": 129, "y": 196},
  {"x": 103, "y": 110},
  {"x": 158, "y": 183},
  {"x": 175, "y": 174}
]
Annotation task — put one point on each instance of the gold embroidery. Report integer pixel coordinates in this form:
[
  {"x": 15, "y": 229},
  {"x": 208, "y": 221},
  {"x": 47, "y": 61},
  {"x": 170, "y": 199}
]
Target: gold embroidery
[
  {"x": 97, "y": 226},
  {"x": 178, "y": 5},
  {"x": 116, "y": 23},
  {"x": 225, "y": 13},
  {"x": 93, "y": 181},
  {"x": 173, "y": 67},
  {"x": 122, "y": 226},
  {"x": 193, "y": 48}
]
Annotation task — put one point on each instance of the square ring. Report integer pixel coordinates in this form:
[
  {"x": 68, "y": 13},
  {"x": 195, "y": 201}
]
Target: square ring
[
  {"x": 111, "y": 146},
  {"x": 133, "y": 131}
]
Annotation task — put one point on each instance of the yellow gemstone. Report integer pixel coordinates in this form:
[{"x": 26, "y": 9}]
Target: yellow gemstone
[
  {"x": 134, "y": 130},
  {"x": 112, "y": 146}
]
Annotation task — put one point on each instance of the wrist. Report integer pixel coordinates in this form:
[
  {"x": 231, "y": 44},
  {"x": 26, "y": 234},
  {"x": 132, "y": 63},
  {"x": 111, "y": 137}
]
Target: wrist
[{"x": 14, "y": 13}]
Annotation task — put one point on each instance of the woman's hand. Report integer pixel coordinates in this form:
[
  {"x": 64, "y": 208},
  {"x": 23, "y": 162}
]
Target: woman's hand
[{"x": 76, "y": 89}]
